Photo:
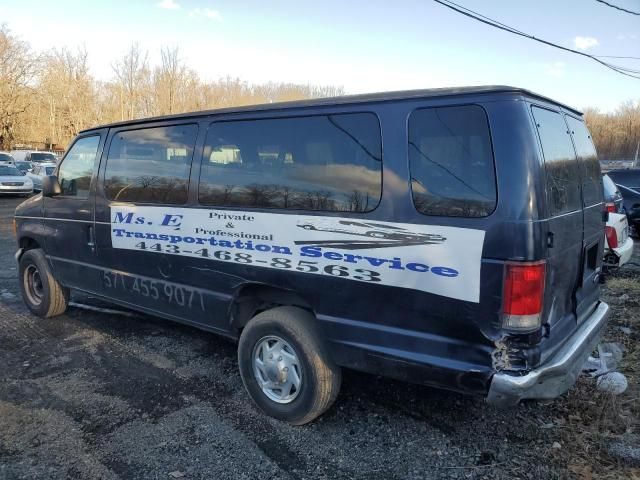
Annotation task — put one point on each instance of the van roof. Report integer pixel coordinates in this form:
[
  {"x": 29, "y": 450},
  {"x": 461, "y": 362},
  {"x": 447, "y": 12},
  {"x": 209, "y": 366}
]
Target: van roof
[{"x": 345, "y": 100}]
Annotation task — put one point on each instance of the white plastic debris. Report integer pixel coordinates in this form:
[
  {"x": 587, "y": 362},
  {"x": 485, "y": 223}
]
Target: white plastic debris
[
  {"x": 603, "y": 368},
  {"x": 613, "y": 382},
  {"x": 609, "y": 355}
]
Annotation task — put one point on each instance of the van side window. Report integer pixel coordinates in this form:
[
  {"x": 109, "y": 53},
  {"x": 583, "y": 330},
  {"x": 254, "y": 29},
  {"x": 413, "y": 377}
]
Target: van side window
[
  {"x": 589, "y": 164},
  {"x": 76, "y": 169},
  {"x": 150, "y": 165},
  {"x": 323, "y": 162},
  {"x": 563, "y": 173},
  {"x": 451, "y": 162}
]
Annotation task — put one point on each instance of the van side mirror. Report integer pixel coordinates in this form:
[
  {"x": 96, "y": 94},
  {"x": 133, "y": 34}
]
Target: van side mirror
[{"x": 51, "y": 186}]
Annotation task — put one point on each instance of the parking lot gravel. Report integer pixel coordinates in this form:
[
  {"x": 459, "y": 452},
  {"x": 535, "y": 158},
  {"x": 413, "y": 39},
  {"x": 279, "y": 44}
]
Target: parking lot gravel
[{"x": 101, "y": 395}]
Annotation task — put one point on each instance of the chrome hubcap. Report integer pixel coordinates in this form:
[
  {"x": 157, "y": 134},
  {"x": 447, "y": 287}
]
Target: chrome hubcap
[
  {"x": 277, "y": 369},
  {"x": 33, "y": 285}
]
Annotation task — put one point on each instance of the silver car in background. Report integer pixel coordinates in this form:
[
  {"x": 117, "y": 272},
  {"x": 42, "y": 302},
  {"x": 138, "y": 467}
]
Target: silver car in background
[
  {"x": 14, "y": 181},
  {"x": 38, "y": 172}
]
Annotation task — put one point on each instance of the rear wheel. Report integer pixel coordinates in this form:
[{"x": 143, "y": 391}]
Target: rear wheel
[
  {"x": 40, "y": 290},
  {"x": 285, "y": 366}
]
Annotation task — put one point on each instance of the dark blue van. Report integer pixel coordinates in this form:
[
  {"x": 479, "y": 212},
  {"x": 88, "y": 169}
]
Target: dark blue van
[{"x": 449, "y": 237}]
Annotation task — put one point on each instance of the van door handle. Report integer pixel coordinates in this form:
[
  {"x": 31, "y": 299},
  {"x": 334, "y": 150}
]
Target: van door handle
[{"x": 91, "y": 241}]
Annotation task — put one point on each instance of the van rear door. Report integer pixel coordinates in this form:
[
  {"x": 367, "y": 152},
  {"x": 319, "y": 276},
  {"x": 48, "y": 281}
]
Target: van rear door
[
  {"x": 588, "y": 291},
  {"x": 564, "y": 223}
]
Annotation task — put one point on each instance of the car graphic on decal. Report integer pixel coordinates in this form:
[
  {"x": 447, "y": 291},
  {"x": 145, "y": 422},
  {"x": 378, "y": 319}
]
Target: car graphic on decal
[{"x": 370, "y": 229}]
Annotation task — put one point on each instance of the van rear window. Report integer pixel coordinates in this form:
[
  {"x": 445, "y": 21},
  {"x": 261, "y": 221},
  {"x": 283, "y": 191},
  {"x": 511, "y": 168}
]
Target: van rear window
[
  {"x": 589, "y": 164},
  {"x": 323, "y": 162},
  {"x": 150, "y": 165},
  {"x": 561, "y": 166},
  {"x": 451, "y": 161}
]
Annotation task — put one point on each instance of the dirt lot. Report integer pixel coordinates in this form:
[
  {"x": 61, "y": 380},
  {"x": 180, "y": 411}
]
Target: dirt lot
[{"x": 92, "y": 395}]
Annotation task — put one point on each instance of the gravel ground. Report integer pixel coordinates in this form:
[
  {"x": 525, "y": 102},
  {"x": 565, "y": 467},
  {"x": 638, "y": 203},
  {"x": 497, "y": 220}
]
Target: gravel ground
[{"x": 91, "y": 395}]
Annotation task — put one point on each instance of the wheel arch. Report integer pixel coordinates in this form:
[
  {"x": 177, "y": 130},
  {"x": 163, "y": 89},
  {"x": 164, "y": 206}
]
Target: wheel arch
[
  {"x": 28, "y": 243},
  {"x": 253, "y": 298}
]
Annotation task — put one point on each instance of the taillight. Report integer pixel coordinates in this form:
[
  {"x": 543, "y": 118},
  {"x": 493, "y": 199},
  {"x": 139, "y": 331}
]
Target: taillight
[
  {"x": 611, "y": 207},
  {"x": 522, "y": 296},
  {"x": 612, "y": 237}
]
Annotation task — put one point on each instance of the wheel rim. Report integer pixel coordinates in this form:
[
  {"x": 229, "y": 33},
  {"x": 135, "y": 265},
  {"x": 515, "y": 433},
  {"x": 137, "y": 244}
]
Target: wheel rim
[
  {"x": 33, "y": 285},
  {"x": 277, "y": 369}
]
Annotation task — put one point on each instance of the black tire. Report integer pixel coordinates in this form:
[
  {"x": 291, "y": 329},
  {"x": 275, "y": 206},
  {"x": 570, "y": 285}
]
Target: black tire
[
  {"x": 41, "y": 292},
  {"x": 321, "y": 378}
]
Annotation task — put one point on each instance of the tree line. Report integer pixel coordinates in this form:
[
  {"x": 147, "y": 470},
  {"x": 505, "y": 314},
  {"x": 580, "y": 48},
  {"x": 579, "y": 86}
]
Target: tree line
[
  {"x": 46, "y": 98},
  {"x": 617, "y": 134}
]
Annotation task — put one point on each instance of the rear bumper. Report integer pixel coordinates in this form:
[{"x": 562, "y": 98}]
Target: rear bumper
[
  {"x": 559, "y": 373},
  {"x": 624, "y": 252}
]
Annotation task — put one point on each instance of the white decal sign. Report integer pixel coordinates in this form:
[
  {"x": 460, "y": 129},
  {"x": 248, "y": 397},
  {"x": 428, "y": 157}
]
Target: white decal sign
[{"x": 436, "y": 259}]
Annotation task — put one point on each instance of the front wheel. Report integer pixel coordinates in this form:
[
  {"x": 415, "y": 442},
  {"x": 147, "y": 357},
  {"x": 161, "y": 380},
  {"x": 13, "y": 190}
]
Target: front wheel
[
  {"x": 285, "y": 367},
  {"x": 41, "y": 292}
]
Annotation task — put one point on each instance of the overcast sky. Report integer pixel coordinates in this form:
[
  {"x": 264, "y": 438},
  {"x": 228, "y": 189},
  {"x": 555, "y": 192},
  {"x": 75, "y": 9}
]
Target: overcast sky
[{"x": 364, "y": 46}]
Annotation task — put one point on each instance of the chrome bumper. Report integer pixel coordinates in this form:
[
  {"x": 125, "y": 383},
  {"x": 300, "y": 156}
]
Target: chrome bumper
[{"x": 559, "y": 373}]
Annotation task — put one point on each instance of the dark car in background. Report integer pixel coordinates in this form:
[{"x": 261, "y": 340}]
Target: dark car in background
[
  {"x": 628, "y": 183},
  {"x": 24, "y": 167},
  {"x": 5, "y": 158}
]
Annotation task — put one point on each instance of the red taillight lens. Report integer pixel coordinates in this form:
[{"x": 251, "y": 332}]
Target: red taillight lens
[
  {"x": 523, "y": 295},
  {"x": 610, "y": 207},
  {"x": 612, "y": 237}
]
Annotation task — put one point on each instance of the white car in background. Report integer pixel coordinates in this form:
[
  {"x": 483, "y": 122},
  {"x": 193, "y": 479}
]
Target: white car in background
[
  {"x": 38, "y": 172},
  {"x": 618, "y": 246},
  {"x": 34, "y": 156},
  {"x": 14, "y": 181},
  {"x": 6, "y": 158}
]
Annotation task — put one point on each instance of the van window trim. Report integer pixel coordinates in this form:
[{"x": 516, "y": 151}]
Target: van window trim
[
  {"x": 94, "y": 173},
  {"x": 215, "y": 121},
  {"x": 493, "y": 157},
  {"x": 113, "y": 132}
]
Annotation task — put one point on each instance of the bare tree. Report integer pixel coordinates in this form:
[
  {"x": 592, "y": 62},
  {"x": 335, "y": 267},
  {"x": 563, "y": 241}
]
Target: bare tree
[
  {"x": 17, "y": 73},
  {"x": 47, "y": 98},
  {"x": 67, "y": 90},
  {"x": 168, "y": 79},
  {"x": 616, "y": 135},
  {"x": 132, "y": 77}
]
